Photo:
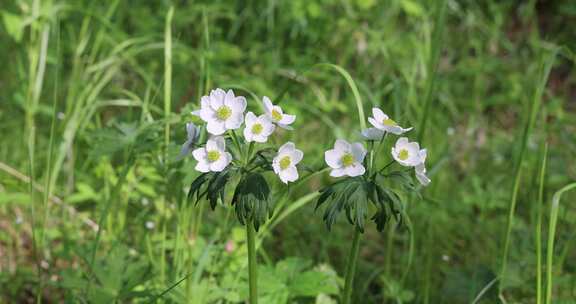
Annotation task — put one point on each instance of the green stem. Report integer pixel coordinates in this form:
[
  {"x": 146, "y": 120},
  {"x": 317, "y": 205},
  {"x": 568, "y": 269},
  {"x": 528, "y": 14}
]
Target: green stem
[
  {"x": 351, "y": 267},
  {"x": 252, "y": 270}
]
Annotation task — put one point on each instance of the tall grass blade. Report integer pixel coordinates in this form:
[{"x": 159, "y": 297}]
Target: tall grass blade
[
  {"x": 544, "y": 71},
  {"x": 540, "y": 202},
  {"x": 551, "y": 233}
]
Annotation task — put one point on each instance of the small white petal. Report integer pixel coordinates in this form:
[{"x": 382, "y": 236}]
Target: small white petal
[
  {"x": 290, "y": 174},
  {"x": 217, "y": 99},
  {"x": 372, "y": 134},
  {"x": 355, "y": 170},
  {"x": 332, "y": 158},
  {"x": 287, "y": 119},
  {"x": 286, "y": 148},
  {"x": 267, "y": 104},
  {"x": 207, "y": 114},
  {"x": 250, "y": 118},
  {"x": 215, "y": 127},
  {"x": 379, "y": 115},
  {"x": 260, "y": 138},
  {"x": 202, "y": 166},
  {"x": 296, "y": 156},
  {"x": 337, "y": 172},
  {"x": 235, "y": 121},
  {"x": 199, "y": 154},
  {"x": 285, "y": 127},
  {"x": 341, "y": 145},
  {"x": 248, "y": 133},
  {"x": 358, "y": 151},
  {"x": 216, "y": 143},
  {"x": 239, "y": 104},
  {"x": 221, "y": 163}
]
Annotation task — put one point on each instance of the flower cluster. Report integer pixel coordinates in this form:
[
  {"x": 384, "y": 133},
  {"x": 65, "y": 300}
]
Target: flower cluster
[
  {"x": 348, "y": 159},
  {"x": 225, "y": 154},
  {"x": 363, "y": 182}
]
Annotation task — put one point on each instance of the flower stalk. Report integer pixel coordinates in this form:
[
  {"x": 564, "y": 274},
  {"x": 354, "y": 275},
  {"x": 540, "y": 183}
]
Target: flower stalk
[
  {"x": 252, "y": 264},
  {"x": 351, "y": 267}
]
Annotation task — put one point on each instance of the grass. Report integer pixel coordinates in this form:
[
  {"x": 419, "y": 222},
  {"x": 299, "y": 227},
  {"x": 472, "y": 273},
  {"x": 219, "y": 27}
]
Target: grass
[{"x": 93, "y": 104}]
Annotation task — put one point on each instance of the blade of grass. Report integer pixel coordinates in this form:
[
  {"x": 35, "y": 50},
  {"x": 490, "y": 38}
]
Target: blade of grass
[
  {"x": 539, "y": 225},
  {"x": 545, "y": 66},
  {"x": 551, "y": 233},
  {"x": 435, "y": 50}
]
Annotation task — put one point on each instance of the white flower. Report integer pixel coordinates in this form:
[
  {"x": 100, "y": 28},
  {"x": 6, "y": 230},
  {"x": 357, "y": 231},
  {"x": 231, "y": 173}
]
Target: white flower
[
  {"x": 150, "y": 225},
  {"x": 222, "y": 111},
  {"x": 258, "y": 128},
  {"x": 346, "y": 159},
  {"x": 213, "y": 157},
  {"x": 382, "y": 122},
  {"x": 277, "y": 116},
  {"x": 372, "y": 134},
  {"x": 193, "y": 133},
  {"x": 420, "y": 169},
  {"x": 407, "y": 153},
  {"x": 284, "y": 164}
]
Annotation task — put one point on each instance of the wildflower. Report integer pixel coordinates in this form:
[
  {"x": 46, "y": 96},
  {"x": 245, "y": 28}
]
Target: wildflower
[
  {"x": 284, "y": 164},
  {"x": 222, "y": 111},
  {"x": 346, "y": 159},
  {"x": 372, "y": 134},
  {"x": 150, "y": 225},
  {"x": 258, "y": 128},
  {"x": 213, "y": 157},
  {"x": 420, "y": 169},
  {"x": 382, "y": 122},
  {"x": 193, "y": 132},
  {"x": 277, "y": 116},
  {"x": 407, "y": 153}
]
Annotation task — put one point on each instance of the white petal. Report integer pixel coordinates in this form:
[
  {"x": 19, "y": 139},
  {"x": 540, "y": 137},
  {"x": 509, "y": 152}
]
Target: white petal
[
  {"x": 422, "y": 154},
  {"x": 401, "y": 141},
  {"x": 285, "y": 127},
  {"x": 199, "y": 154},
  {"x": 372, "y": 134},
  {"x": 250, "y": 119},
  {"x": 332, "y": 158},
  {"x": 287, "y": 148},
  {"x": 229, "y": 98},
  {"x": 379, "y": 115},
  {"x": 235, "y": 121},
  {"x": 296, "y": 156},
  {"x": 260, "y": 138},
  {"x": 422, "y": 178},
  {"x": 287, "y": 119},
  {"x": 221, "y": 163},
  {"x": 355, "y": 170},
  {"x": 276, "y": 165},
  {"x": 358, "y": 151},
  {"x": 216, "y": 143},
  {"x": 290, "y": 174},
  {"x": 238, "y": 105},
  {"x": 217, "y": 98},
  {"x": 278, "y": 109},
  {"x": 341, "y": 145},
  {"x": 248, "y": 134},
  {"x": 267, "y": 104},
  {"x": 376, "y": 124},
  {"x": 202, "y": 166},
  {"x": 216, "y": 127},
  {"x": 337, "y": 172},
  {"x": 268, "y": 128},
  {"x": 207, "y": 114}
]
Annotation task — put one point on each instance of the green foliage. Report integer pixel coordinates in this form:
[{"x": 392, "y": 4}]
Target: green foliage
[{"x": 252, "y": 200}]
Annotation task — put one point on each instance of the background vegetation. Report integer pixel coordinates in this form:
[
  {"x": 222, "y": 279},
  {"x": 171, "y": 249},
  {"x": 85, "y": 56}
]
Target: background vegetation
[{"x": 85, "y": 101}]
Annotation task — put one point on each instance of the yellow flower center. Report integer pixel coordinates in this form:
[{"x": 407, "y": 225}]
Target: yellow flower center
[
  {"x": 223, "y": 112},
  {"x": 257, "y": 128},
  {"x": 285, "y": 162},
  {"x": 403, "y": 155},
  {"x": 276, "y": 115},
  {"x": 213, "y": 156},
  {"x": 347, "y": 160},
  {"x": 389, "y": 122}
]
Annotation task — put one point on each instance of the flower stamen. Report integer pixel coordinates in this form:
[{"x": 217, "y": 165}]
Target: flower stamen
[
  {"x": 347, "y": 160},
  {"x": 257, "y": 128},
  {"x": 213, "y": 156},
  {"x": 389, "y": 122},
  {"x": 223, "y": 113},
  {"x": 285, "y": 162},
  {"x": 276, "y": 115},
  {"x": 403, "y": 155}
]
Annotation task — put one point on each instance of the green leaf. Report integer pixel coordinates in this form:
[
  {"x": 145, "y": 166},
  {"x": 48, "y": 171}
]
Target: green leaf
[
  {"x": 312, "y": 283},
  {"x": 252, "y": 200},
  {"x": 13, "y": 24}
]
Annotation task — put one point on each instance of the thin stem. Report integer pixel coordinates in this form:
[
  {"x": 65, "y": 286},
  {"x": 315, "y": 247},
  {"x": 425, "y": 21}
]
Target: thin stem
[
  {"x": 351, "y": 267},
  {"x": 539, "y": 226},
  {"x": 252, "y": 266}
]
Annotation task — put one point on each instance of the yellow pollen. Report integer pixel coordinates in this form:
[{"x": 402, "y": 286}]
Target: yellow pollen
[
  {"x": 389, "y": 122},
  {"x": 403, "y": 155},
  {"x": 285, "y": 162},
  {"x": 213, "y": 156},
  {"x": 276, "y": 115},
  {"x": 347, "y": 160},
  {"x": 257, "y": 128},
  {"x": 223, "y": 112}
]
